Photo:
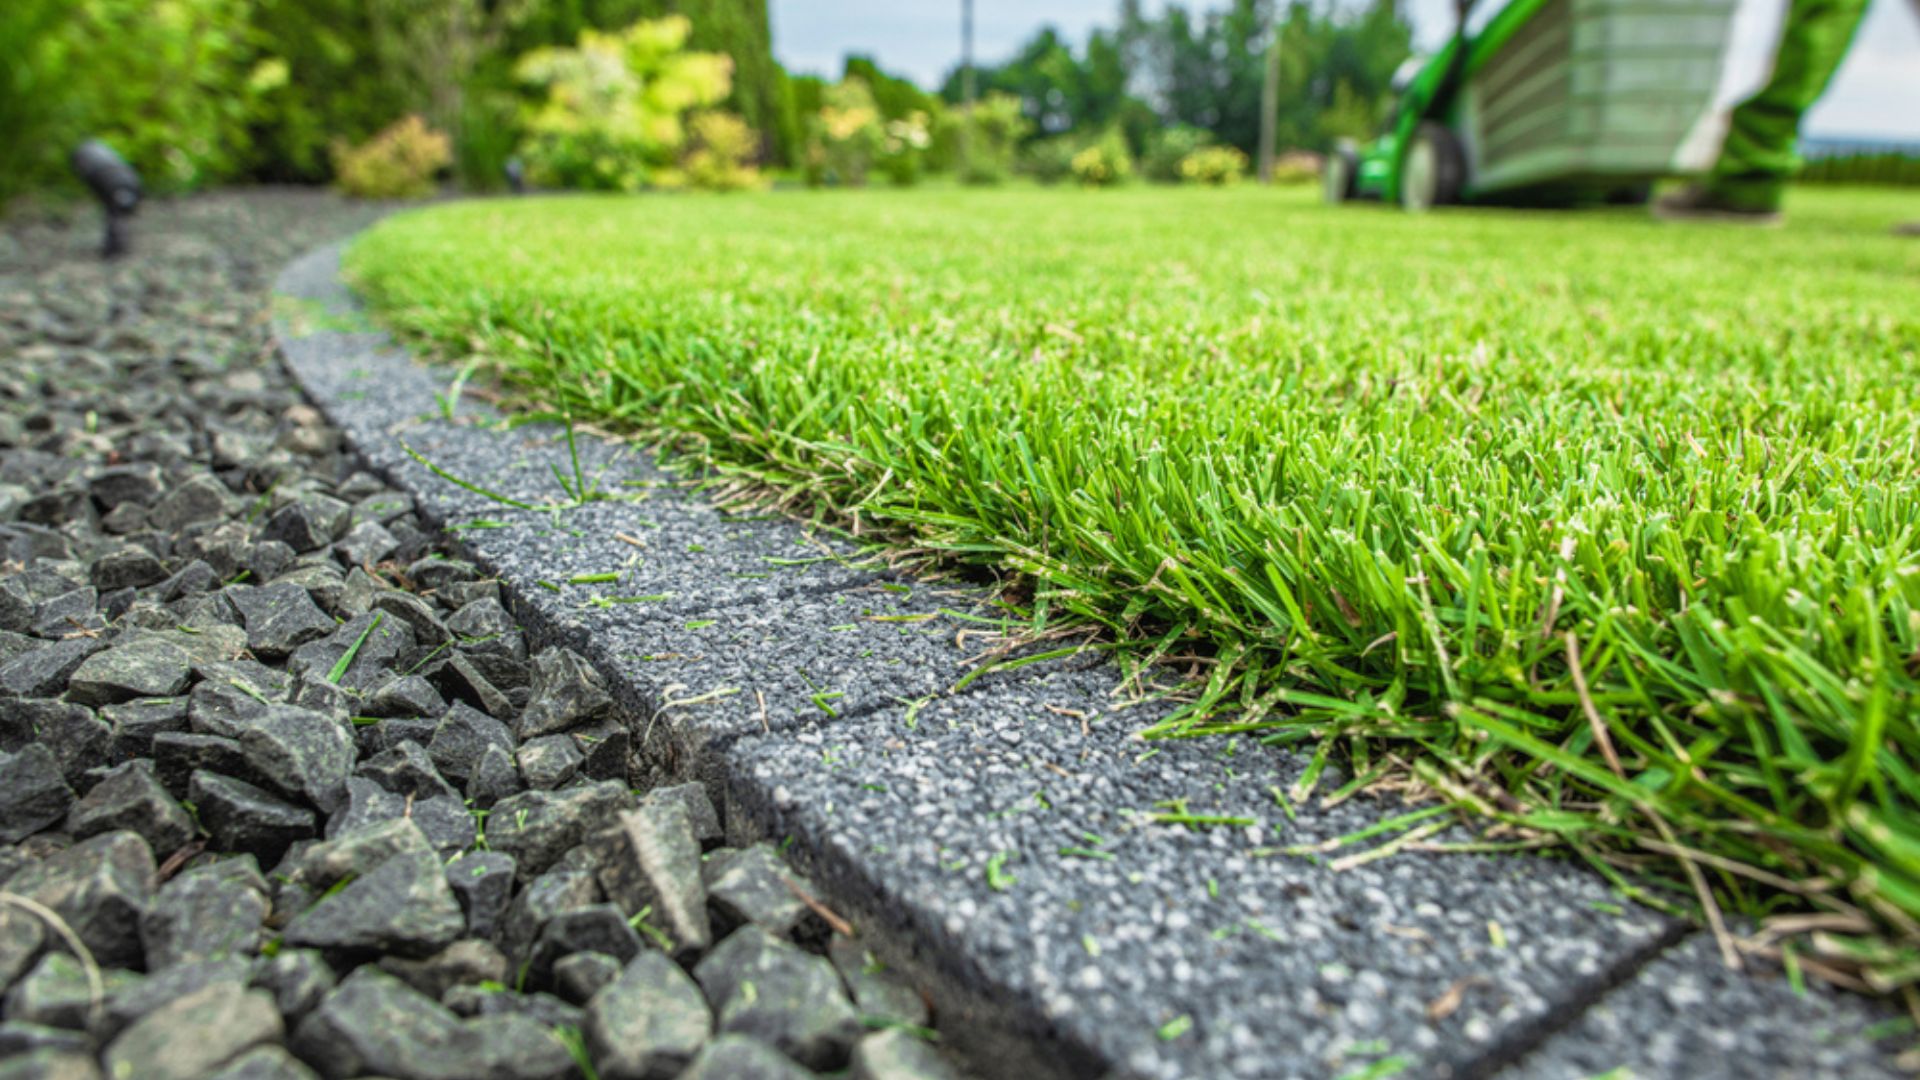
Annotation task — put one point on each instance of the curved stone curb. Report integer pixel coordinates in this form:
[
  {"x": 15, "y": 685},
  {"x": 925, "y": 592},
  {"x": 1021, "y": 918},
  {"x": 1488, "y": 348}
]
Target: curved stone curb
[{"x": 1000, "y": 841}]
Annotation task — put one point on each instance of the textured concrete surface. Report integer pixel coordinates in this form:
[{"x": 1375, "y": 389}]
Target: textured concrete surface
[
  {"x": 1686, "y": 1015},
  {"x": 1002, "y": 840},
  {"x": 1114, "y": 926}
]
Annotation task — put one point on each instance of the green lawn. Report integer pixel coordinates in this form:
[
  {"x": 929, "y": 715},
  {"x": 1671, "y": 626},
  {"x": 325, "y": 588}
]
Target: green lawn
[{"x": 1448, "y": 495}]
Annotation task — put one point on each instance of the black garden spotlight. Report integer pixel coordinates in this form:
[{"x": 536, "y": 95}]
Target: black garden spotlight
[
  {"x": 516, "y": 173},
  {"x": 115, "y": 184}
]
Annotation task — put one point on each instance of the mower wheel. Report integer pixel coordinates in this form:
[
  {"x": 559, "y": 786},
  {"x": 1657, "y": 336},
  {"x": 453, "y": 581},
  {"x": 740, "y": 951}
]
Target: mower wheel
[
  {"x": 1340, "y": 176},
  {"x": 1435, "y": 169},
  {"x": 1631, "y": 195}
]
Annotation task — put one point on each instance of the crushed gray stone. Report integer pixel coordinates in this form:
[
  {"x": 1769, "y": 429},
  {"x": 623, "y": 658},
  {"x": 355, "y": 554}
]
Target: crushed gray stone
[{"x": 187, "y": 548}]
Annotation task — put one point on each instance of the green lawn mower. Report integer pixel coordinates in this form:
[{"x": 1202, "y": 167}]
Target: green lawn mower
[{"x": 1560, "y": 102}]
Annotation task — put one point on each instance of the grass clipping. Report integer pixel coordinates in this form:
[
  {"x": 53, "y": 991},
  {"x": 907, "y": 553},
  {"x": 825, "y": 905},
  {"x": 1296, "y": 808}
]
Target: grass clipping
[{"x": 1606, "y": 532}]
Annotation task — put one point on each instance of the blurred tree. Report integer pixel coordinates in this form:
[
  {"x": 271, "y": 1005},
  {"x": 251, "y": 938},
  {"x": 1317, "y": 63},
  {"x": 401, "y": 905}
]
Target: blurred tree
[
  {"x": 441, "y": 54},
  {"x": 171, "y": 84},
  {"x": 201, "y": 91},
  {"x": 896, "y": 98},
  {"x": 739, "y": 29},
  {"x": 483, "y": 126},
  {"x": 844, "y": 134},
  {"x": 335, "y": 86},
  {"x": 32, "y": 111},
  {"x": 992, "y": 132},
  {"x": 1203, "y": 68},
  {"x": 742, "y": 30},
  {"x": 721, "y": 153},
  {"x": 559, "y": 22},
  {"x": 809, "y": 93},
  {"x": 1060, "y": 92}
]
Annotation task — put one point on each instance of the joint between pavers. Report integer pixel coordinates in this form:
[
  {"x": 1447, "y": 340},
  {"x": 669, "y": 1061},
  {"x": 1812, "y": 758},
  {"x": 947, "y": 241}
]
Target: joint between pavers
[{"x": 1516, "y": 1043}]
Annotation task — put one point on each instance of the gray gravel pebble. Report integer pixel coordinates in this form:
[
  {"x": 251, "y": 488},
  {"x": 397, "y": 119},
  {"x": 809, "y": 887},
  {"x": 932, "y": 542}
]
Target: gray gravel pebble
[
  {"x": 143, "y": 668},
  {"x": 239, "y": 816},
  {"x": 49, "y": 1064},
  {"x": 649, "y": 861},
  {"x": 578, "y": 976},
  {"x": 100, "y": 887},
  {"x": 647, "y": 1024},
  {"x": 737, "y": 1057},
  {"x": 194, "y": 1035},
  {"x": 33, "y": 794},
  {"x": 764, "y": 987},
  {"x": 204, "y": 914},
  {"x": 897, "y": 1055}
]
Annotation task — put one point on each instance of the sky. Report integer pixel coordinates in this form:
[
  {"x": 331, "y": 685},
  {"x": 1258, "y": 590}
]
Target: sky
[{"x": 1876, "y": 95}]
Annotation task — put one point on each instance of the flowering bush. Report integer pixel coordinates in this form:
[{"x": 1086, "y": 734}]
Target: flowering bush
[
  {"x": 846, "y": 134},
  {"x": 1214, "y": 165},
  {"x": 612, "y": 116},
  {"x": 981, "y": 145},
  {"x": 1104, "y": 162},
  {"x": 1049, "y": 160},
  {"x": 1298, "y": 167},
  {"x": 903, "y": 147},
  {"x": 1168, "y": 147},
  {"x": 722, "y": 147},
  {"x": 398, "y": 163}
]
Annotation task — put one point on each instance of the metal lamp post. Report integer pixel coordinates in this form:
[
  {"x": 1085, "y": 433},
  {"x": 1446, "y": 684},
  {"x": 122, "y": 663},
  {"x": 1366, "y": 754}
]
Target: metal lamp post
[
  {"x": 115, "y": 184},
  {"x": 966, "y": 84}
]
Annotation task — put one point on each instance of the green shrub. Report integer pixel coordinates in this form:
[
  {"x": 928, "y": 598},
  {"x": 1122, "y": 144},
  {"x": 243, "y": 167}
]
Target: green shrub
[
  {"x": 743, "y": 31},
  {"x": 903, "y": 148},
  {"x": 1049, "y": 160},
  {"x": 30, "y": 111},
  {"x": 845, "y": 134},
  {"x": 1298, "y": 167},
  {"x": 398, "y": 163},
  {"x": 1168, "y": 148},
  {"x": 1217, "y": 166},
  {"x": 1892, "y": 167},
  {"x": 722, "y": 148},
  {"x": 1104, "y": 162},
  {"x": 612, "y": 116},
  {"x": 981, "y": 147},
  {"x": 173, "y": 85},
  {"x": 489, "y": 134}
]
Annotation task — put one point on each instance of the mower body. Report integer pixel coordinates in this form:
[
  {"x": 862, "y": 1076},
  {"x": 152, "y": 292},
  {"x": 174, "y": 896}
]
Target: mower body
[{"x": 1560, "y": 101}]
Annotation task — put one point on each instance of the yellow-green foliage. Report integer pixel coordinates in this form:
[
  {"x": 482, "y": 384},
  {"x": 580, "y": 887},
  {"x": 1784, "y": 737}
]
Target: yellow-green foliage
[
  {"x": 1168, "y": 147},
  {"x": 612, "y": 117},
  {"x": 723, "y": 147},
  {"x": 1049, "y": 160},
  {"x": 845, "y": 135},
  {"x": 398, "y": 163},
  {"x": 173, "y": 85},
  {"x": 903, "y": 147},
  {"x": 989, "y": 136},
  {"x": 1104, "y": 162},
  {"x": 1298, "y": 167},
  {"x": 1215, "y": 165}
]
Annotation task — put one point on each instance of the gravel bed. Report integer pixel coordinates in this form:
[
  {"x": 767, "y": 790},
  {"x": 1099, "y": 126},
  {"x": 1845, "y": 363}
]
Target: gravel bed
[{"x": 287, "y": 790}]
